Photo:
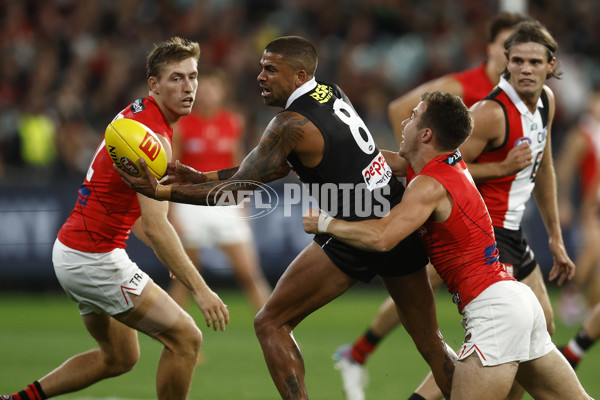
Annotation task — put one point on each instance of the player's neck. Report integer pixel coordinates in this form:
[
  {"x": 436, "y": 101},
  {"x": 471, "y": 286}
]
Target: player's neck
[{"x": 493, "y": 71}]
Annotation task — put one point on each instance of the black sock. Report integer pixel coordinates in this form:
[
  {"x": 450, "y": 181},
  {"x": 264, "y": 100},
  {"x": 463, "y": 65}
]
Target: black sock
[
  {"x": 372, "y": 338},
  {"x": 583, "y": 340},
  {"x": 415, "y": 396}
]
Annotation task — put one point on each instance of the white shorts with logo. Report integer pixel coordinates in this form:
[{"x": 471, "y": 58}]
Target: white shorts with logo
[
  {"x": 203, "y": 226},
  {"x": 98, "y": 282},
  {"x": 505, "y": 323}
]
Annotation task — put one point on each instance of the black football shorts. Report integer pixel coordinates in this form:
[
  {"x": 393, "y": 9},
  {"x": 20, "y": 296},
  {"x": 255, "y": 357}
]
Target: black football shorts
[
  {"x": 514, "y": 252},
  {"x": 407, "y": 257}
]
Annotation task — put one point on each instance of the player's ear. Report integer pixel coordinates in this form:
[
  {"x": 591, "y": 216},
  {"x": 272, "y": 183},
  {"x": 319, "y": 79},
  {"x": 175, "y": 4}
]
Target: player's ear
[
  {"x": 301, "y": 78},
  {"x": 153, "y": 84},
  {"x": 427, "y": 135}
]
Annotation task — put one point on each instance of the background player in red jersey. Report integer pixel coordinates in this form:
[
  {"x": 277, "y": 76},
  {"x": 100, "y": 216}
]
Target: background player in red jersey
[
  {"x": 209, "y": 139},
  {"x": 505, "y": 329},
  {"x": 578, "y": 165},
  {"x": 116, "y": 299},
  {"x": 589, "y": 333},
  {"x": 471, "y": 85}
]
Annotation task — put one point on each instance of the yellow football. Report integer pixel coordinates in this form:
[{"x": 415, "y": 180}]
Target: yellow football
[{"x": 128, "y": 140}]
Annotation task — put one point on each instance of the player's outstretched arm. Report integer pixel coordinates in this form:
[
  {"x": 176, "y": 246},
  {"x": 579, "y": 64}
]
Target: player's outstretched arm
[
  {"x": 422, "y": 198},
  {"x": 181, "y": 174},
  {"x": 401, "y": 108},
  {"x": 266, "y": 163}
]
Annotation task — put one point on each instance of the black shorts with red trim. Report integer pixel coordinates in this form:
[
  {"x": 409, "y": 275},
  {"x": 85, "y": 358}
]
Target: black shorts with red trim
[{"x": 515, "y": 253}]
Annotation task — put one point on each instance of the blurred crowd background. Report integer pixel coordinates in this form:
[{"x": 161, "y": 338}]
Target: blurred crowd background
[{"x": 68, "y": 66}]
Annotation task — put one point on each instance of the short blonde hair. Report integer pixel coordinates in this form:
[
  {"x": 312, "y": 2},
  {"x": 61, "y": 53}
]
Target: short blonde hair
[{"x": 172, "y": 50}]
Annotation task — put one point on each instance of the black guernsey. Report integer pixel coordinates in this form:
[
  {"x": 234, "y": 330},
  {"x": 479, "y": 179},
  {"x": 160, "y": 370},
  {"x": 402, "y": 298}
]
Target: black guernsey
[
  {"x": 353, "y": 170},
  {"x": 352, "y": 182}
]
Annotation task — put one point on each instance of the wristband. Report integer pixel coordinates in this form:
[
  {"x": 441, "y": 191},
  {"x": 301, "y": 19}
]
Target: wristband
[
  {"x": 324, "y": 221},
  {"x": 212, "y": 175},
  {"x": 162, "y": 192}
]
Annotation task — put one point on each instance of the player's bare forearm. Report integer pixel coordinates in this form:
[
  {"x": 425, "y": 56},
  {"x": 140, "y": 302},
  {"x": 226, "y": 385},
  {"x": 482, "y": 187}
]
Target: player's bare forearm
[
  {"x": 265, "y": 163},
  {"x": 482, "y": 172},
  {"x": 545, "y": 195},
  {"x": 365, "y": 235}
]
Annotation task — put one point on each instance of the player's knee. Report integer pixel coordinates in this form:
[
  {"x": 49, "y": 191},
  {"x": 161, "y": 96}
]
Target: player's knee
[
  {"x": 263, "y": 325},
  {"x": 190, "y": 345},
  {"x": 121, "y": 362},
  {"x": 184, "y": 339},
  {"x": 259, "y": 324}
]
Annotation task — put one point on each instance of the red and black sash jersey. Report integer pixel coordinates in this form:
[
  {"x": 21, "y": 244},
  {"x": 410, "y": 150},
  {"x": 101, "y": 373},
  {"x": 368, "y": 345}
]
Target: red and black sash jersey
[{"x": 506, "y": 197}]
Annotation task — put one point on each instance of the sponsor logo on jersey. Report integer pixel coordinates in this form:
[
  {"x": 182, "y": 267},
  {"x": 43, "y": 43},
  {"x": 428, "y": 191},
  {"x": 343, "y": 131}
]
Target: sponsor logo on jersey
[
  {"x": 454, "y": 158},
  {"x": 322, "y": 93},
  {"x": 509, "y": 268},
  {"x": 522, "y": 139},
  {"x": 491, "y": 254},
  {"x": 84, "y": 195},
  {"x": 137, "y": 106},
  {"x": 378, "y": 173},
  {"x": 456, "y": 298}
]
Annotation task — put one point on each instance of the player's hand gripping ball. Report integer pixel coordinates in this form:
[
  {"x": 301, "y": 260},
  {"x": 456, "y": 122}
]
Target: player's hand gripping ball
[{"x": 128, "y": 140}]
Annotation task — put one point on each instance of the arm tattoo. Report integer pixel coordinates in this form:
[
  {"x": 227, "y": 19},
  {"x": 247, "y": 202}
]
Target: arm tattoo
[
  {"x": 268, "y": 161},
  {"x": 265, "y": 163},
  {"x": 227, "y": 173}
]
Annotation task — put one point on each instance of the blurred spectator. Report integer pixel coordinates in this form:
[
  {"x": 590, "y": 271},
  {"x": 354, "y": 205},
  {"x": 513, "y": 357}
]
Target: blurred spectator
[{"x": 63, "y": 51}]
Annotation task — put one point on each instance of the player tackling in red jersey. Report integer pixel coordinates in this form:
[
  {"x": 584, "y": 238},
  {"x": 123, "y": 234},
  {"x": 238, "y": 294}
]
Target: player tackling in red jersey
[
  {"x": 505, "y": 328},
  {"x": 115, "y": 297},
  {"x": 471, "y": 85}
]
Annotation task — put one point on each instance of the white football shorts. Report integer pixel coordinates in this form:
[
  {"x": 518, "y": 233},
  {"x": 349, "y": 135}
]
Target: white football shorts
[
  {"x": 98, "y": 282},
  {"x": 505, "y": 323},
  {"x": 205, "y": 226}
]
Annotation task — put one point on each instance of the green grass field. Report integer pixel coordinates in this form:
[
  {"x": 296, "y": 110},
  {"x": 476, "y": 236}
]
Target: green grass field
[{"x": 39, "y": 332}]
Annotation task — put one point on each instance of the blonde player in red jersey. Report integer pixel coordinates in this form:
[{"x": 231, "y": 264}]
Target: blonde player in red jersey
[
  {"x": 505, "y": 328},
  {"x": 116, "y": 299}
]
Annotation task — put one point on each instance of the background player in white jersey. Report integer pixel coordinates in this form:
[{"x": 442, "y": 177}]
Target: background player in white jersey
[
  {"x": 520, "y": 113},
  {"x": 116, "y": 299}
]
